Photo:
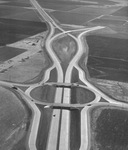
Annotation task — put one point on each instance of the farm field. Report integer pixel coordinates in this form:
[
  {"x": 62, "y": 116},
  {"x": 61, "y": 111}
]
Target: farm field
[
  {"x": 9, "y": 52},
  {"x": 17, "y": 23},
  {"x": 14, "y": 30},
  {"x": 109, "y": 128},
  {"x": 72, "y": 18},
  {"x": 16, "y": 3},
  {"x": 58, "y": 6},
  {"x": 107, "y": 22},
  {"x": 83, "y": 14},
  {"x": 107, "y": 58},
  {"x": 122, "y": 12},
  {"x": 88, "y": 2}
]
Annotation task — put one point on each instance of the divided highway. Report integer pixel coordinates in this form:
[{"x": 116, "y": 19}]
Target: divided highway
[{"x": 59, "y": 137}]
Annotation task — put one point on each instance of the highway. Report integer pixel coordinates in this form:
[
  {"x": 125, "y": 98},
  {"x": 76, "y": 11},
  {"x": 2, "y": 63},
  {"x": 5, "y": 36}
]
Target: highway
[{"x": 59, "y": 137}]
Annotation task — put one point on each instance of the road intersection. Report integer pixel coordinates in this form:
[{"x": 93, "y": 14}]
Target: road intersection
[{"x": 62, "y": 105}]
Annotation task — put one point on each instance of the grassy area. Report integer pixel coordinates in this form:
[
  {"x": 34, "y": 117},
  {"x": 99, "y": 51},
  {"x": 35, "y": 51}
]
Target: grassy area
[
  {"x": 12, "y": 119},
  {"x": 65, "y": 48}
]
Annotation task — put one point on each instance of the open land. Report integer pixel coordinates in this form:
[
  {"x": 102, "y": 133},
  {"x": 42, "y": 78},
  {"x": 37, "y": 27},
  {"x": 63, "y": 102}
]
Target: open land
[
  {"x": 44, "y": 93},
  {"x": 22, "y": 13},
  {"x": 65, "y": 48},
  {"x": 115, "y": 89},
  {"x": 29, "y": 66},
  {"x": 121, "y": 12},
  {"x": 70, "y": 2},
  {"x": 109, "y": 128},
  {"x": 17, "y": 4},
  {"x": 81, "y": 95},
  {"x": 13, "y": 119},
  {"x": 9, "y": 52},
  {"x": 27, "y": 70},
  {"x": 17, "y": 30},
  {"x": 107, "y": 58}
]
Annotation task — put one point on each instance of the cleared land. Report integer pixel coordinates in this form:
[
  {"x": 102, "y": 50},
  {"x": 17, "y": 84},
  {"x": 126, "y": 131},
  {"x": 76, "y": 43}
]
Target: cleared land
[
  {"x": 81, "y": 95},
  {"x": 95, "y": 10},
  {"x": 109, "y": 128},
  {"x": 9, "y": 52},
  {"x": 17, "y": 4},
  {"x": 65, "y": 48},
  {"x": 13, "y": 119},
  {"x": 58, "y": 6},
  {"x": 115, "y": 89},
  {"x": 92, "y": 2},
  {"x": 108, "y": 58},
  {"x": 18, "y": 13},
  {"x": 28, "y": 70},
  {"x": 72, "y": 18},
  {"x": 107, "y": 22},
  {"x": 121, "y": 12},
  {"x": 44, "y": 93},
  {"x": 14, "y": 30}
]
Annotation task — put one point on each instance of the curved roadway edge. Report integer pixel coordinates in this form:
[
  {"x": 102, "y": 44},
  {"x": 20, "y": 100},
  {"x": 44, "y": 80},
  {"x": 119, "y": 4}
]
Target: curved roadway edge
[
  {"x": 32, "y": 134},
  {"x": 84, "y": 129},
  {"x": 64, "y": 140}
]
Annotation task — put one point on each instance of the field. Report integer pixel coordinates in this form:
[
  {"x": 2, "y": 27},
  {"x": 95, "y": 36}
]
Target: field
[
  {"x": 17, "y": 23},
  {"x": 108, "y": 58},
  {"x": 17, "y": 4},
  {"x": 94, "y": 10},
  {"x": 44, "y": 93},
  {"x": 92, "y": 2},
  {"x": 9, "y": 52},
  {"x": 81, "y": 95},
  {"x": 13, "y": 119},
  {"x": 58, "y": 6},
  {"x": 109, "y": 128},
  {"x": 114, "y": 89},
  {"x": 14, "y": 30},
  {"x": 65, "y": 48},
  {"x": 121, "y": 12},
  {"x": 107, "y": 22},
  {"x": 83, "y": 14},
  {"x": 19, "y": 13},
  {"x": 27, "y": 70}
]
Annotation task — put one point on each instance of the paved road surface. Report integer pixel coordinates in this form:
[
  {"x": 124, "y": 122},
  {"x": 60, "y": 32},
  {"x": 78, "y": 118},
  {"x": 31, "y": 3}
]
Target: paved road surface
[{"x": 59, "y": 134}]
